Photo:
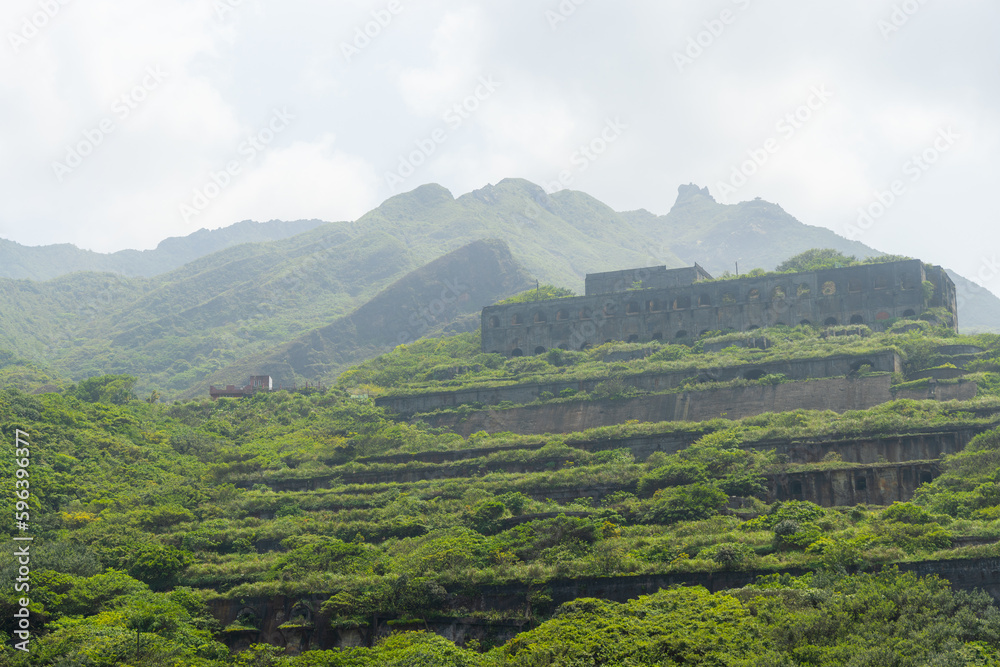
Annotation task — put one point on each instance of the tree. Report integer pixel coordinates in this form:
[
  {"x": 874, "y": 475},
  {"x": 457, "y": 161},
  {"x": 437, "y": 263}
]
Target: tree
[
  {"x": 817, "y": 259},
  {"x": 114, "y": 389}
]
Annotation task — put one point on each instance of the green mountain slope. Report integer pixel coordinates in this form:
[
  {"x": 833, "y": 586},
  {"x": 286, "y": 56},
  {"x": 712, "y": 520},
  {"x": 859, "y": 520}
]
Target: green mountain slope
[
  {"x": 559, "y": 238},
  {"x": 228, "y": 313},
  {"x": 445, "y": 295},
  {"x": 51, "y": 261},
  {"x": 305, "y": 528}
]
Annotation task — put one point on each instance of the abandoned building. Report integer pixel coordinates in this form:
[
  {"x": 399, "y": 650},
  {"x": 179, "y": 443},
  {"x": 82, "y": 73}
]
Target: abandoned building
[
  {"x": 656, "y": 303},
  {"x": 256, "y": 383}
]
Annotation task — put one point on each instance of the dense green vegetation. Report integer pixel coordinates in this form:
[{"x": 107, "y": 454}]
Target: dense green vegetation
[
  {"x": 151, "y": 513},
  {"x": 223, "y": 316},
  {"x": 455, "y": 362},
  {"x": 154, "y": 520}
]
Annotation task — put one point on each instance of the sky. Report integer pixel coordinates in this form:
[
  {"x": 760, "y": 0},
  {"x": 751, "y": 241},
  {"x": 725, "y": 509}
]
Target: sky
[{"x": 126, "y": 123}]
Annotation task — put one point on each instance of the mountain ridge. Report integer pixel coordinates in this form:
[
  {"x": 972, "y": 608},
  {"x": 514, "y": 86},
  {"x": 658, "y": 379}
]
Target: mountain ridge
[
  {"x": 220, "y": 316},
  {"x": 51, "y": 261}
]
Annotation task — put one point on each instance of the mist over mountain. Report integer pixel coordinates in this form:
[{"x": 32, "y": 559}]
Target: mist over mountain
[
  {"x": 303, "y": 300},
  {"x": 52, "y": 261}
]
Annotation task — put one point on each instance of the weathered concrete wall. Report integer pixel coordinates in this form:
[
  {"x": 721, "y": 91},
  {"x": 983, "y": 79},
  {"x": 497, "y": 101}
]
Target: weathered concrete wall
[
  {"x": 873, "y": 485},
  {"x": 922, "y": 446},
  {"x": 793, "y": 369},
  {"x": 651, "y": 277},
  {"x": 515, "y": 600},
  {"x": 867, "y": 294},
  {"x": 839, "y": 395},
  {"x": 841, "y": 487},
  {"x": 962, "y": 391},
  {"x": 898, "y": 448}
]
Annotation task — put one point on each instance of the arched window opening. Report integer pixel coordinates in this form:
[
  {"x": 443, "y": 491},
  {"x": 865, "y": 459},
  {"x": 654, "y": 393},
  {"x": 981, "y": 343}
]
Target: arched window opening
[
  {"x": 494, "y": 322},
  {"x": 854, "y": 286},
  {"x": 857, "y": 319},
  {"x": 753, "y": 294},
  {"x": 856, "y": 366},
  {"x": 541, "y": 318},
  {"x": 829, "y": 288},
  {"x": 539, "y": 350},
  {"x": 704, "y": 300},
  {"x": 632, "y": 308},
  {"x": 562, "y": 315},
  {"x": 517, "y": 352},
  {"x": 681, "y": 334},
  {"x": 516, "y": 319},
  {"x": 830, "y": 322},
  {"x": 585, "y": 314},
  {"x": 682, "y": 302}
]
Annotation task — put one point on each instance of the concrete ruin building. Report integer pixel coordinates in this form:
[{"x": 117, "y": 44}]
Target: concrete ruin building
[
  {"x": 255, "y": 384},
  {"x": 678, "y": 305}
]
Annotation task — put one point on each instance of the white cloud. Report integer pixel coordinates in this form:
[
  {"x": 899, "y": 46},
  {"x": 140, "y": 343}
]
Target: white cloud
[{"x": 558, "y": 87}]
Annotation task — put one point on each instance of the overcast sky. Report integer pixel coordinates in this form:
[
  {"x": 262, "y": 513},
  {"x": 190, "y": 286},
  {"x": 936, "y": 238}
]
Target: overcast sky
[{"x": 127, "y": 122}]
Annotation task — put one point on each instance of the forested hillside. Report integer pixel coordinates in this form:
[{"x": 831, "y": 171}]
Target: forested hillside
[
  {"x": 316, "y": 528},
  {"x": 301, "y": 307}
]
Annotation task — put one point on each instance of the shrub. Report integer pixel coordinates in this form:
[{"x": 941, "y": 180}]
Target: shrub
[
  {"x": 907, "y": 513},
  {"x": 484, "y": 517},
  {"x": 675, "y": 473},
  {"x": 728, "y": 554},
  {"x": 686, "y": 503}
]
